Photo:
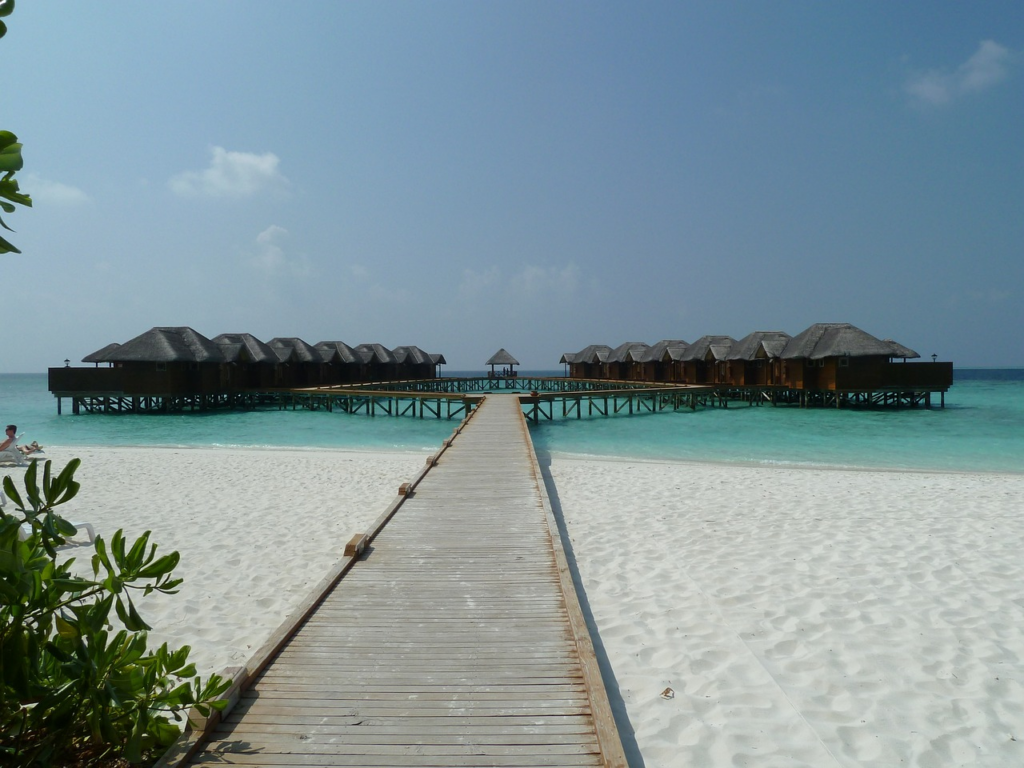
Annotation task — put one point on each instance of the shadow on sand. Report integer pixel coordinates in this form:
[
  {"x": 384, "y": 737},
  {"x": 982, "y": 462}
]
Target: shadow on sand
[{"x": 626, "y": 734}]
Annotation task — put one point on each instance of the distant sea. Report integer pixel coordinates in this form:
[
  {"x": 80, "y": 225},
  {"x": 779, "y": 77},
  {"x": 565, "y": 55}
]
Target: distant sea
[{"x": 980, "y": 429}]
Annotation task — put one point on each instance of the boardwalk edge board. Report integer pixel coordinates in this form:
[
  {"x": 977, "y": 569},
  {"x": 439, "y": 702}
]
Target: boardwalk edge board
[{"x": 600, "y": 706}]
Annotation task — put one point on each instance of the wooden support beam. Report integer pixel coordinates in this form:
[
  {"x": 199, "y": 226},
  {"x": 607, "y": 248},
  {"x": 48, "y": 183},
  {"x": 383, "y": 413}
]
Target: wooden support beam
[{"x": 356, "y": 545}]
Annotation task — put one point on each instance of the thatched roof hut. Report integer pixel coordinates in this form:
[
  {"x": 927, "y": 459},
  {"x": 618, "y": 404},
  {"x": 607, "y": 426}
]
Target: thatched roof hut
[
  {"x": 595, "y": 353},
  {"x": 759, "y": 344},
  {"x": 824, "y": 340},
  {"x": 709, "y": 347},
  {"x": 338, "y": 352},
  {"x": 376, "y": 353},
  {"x": 504, "y": 359},
  {"x": 167, "y": 345},
  {"x": 665, "y": 351},
  {"x": 411, "y": 355},
  {"x": 628, "y": 352},
  {"x": 245, "y": 348},
  {"x": 290, "y": 349},
  {"x": 501, "y": 357}
]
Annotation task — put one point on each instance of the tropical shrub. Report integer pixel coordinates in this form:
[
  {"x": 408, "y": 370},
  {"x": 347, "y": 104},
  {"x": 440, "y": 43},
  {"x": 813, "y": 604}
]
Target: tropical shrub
[{"x": 73, "y": 689}]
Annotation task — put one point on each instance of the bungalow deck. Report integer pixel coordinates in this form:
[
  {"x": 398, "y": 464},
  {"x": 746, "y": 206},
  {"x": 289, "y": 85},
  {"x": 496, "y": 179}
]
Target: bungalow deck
[{"x": 454, "y": 639}]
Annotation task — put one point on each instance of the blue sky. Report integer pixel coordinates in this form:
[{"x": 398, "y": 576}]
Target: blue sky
[{"x": 538, "y": 176}]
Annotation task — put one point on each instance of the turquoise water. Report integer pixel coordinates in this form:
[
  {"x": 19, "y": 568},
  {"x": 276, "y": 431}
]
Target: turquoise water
[{"x": 980, "y": 429}]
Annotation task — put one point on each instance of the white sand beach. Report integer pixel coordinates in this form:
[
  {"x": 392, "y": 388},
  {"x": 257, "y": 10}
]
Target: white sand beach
[
  {"x": 801, "y": 617},
  {"x": 806, "y": 617},
  {"x": 256, "y": 529}
]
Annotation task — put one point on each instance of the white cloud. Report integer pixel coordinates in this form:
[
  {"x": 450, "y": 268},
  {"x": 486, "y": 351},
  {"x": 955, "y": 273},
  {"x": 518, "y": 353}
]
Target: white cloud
[
  {"x": 988, "y": 66},
  {"x": 46, "y": 192},
  {"x": 272, "y": 259},
  {"x": 231, "y": 175}
]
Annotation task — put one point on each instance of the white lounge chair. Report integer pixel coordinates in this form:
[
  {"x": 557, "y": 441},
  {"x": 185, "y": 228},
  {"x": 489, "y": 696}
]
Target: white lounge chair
[{"x": 11, "y": 455}]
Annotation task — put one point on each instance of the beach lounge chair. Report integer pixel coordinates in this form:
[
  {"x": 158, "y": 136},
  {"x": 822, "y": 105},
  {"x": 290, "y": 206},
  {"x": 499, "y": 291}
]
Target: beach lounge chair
[
  {"x": 13, "y": 456},
  {"x": 19, "y": 454}
]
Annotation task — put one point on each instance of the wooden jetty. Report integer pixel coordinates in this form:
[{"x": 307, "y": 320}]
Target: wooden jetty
[{"x": 455, "y": 637}]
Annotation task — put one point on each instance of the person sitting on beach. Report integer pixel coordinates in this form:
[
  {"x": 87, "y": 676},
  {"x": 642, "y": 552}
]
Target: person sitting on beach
[{"x": 8, "y": 450}]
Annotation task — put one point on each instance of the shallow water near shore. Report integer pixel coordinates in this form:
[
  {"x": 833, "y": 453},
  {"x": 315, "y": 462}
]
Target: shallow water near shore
[{"x": 980, "y": 429}]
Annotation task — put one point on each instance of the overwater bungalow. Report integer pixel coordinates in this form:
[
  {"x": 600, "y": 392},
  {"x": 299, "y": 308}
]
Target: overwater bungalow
[
  {"x": 413, "y": 363},
  {"x": 625, "y": 362},
  {"x": 704, "y": 361},
  {"x": 302, "y": 362},
  {"x": 344, "y": 364},
  {"x": 755, "y": 360},
  {"x": 839, "y": 357},
  {"x": 172, "y": 368},
  {"x": 379, "y": 361},
  {"x": 589, "y": 362},
  {"x": 252, "y": 364},
  {"x": 663, "y": 361}
]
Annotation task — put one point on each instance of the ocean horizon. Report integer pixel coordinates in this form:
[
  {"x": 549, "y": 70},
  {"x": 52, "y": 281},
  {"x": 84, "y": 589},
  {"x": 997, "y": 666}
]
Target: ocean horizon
[{"x": 981, "y": 429}]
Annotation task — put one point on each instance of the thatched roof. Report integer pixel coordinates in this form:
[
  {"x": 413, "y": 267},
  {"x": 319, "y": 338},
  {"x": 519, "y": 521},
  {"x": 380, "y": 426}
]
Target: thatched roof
[
  {"x": 759, "y": 344},
  {"x": 629, "y": 352},
  {"x": 823, "y": 340},
  {"x": 338, "y": 352},
  {"x": 717, "y": 347},
  {"x": 665, "y": 351},
  {"x": 438, "y": 359},
  {"x": 567, "y": 357},
  {"x": 501, "y": 357},
  {"x": 595, "y": 353},
  {"x": 376, "y": 353},
  {"x": 898, "y": 350},
  {"x": 411, "y": 356},
  {"x": 167, "y": 345},
  {"x": 294, "y": 350},
  {"x": 100, "y": 355},
  {"x": 245, "y": 348}
]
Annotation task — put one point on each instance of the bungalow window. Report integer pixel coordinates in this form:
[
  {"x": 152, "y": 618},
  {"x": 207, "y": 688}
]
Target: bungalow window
[
  {"x": 161, "y": 366},
  {"x": 844, "y": 362}
]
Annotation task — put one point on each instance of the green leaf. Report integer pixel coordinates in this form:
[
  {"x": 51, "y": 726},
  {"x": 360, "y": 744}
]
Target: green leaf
[
  {"x": 161, "y": 567},
  {"x": 6, "y": 247},
  {"x": 10, "y": 490},
  {"x": 6, "y": 7},
  {"x": 10, "y": 157},
  {"x": 66, "y": 629}
]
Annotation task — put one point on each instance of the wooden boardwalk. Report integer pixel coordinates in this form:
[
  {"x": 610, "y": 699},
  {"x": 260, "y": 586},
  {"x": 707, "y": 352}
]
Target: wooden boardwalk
[{"x": 455, "y": 640}]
